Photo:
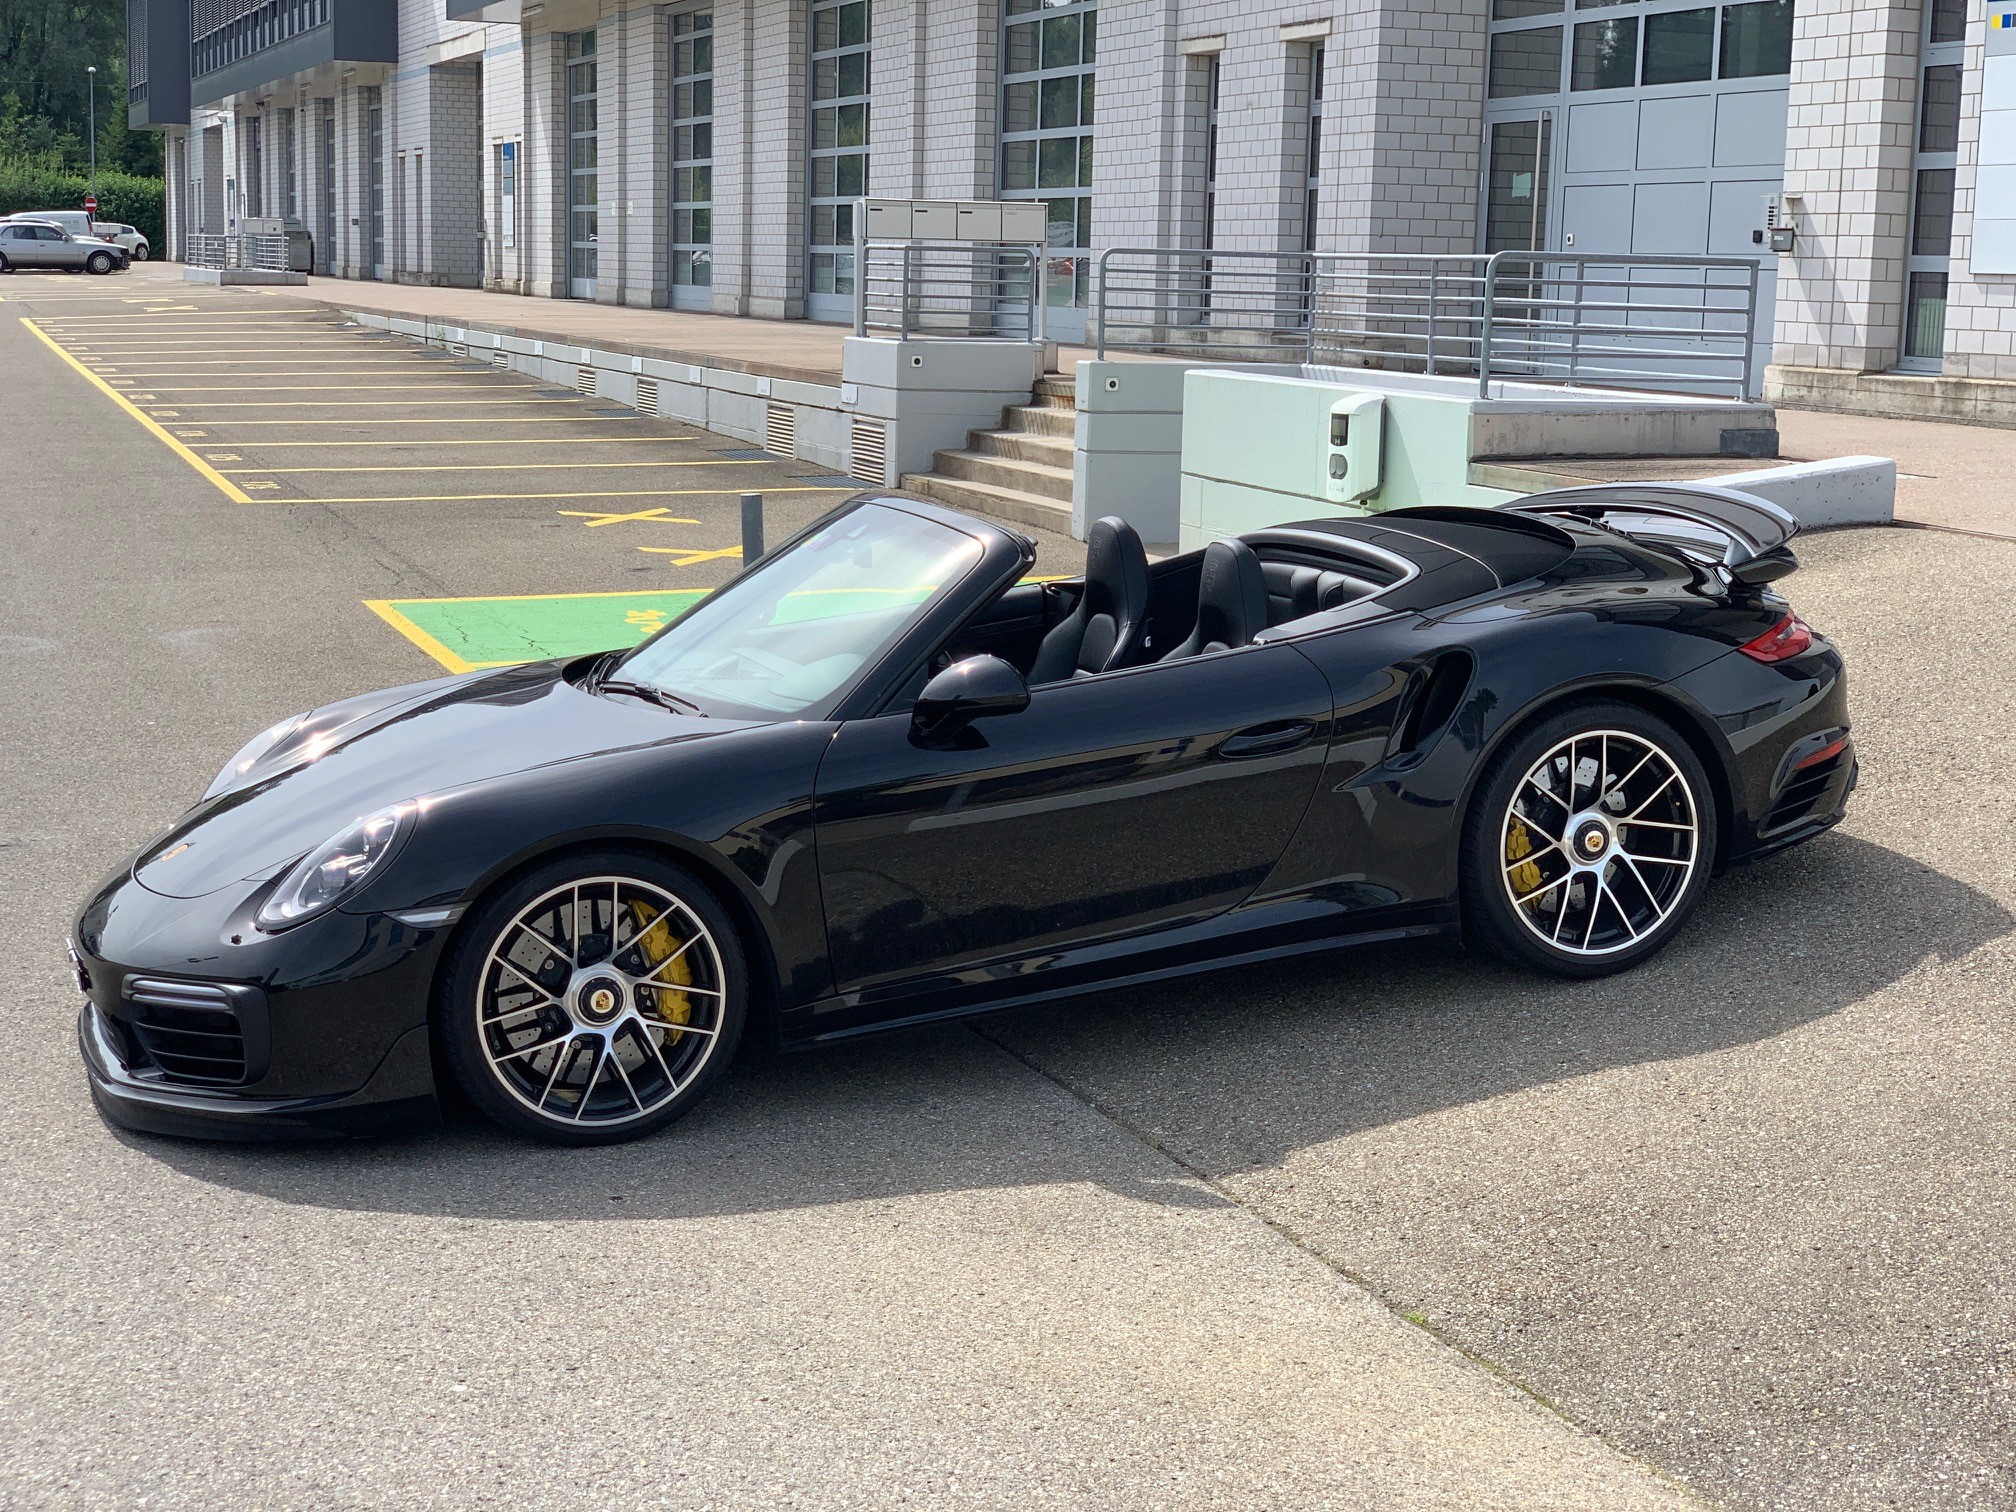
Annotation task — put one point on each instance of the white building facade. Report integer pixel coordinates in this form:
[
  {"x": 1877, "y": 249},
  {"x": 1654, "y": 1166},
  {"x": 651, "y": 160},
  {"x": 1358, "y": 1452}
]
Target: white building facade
[{"x": 705, "y": 154}]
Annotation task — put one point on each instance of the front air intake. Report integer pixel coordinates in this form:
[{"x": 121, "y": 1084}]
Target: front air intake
[{"x": 188, "y": 1029}]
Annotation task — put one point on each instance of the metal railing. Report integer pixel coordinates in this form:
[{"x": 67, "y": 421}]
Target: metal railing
[
  {"x": 241, "y": 250},
  {"x": 985, "y": 290},
  {"x": 1569, "y": 318}
]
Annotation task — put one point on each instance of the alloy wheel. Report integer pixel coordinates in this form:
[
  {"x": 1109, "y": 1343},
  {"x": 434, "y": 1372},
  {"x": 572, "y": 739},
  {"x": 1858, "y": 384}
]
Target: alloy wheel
[
  {"x": 1600, "y": 842},
  {"x": 600, "y": 1002}
]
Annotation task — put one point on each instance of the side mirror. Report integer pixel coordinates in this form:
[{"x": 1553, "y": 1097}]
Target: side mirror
[{"x": 976, "y": 688}]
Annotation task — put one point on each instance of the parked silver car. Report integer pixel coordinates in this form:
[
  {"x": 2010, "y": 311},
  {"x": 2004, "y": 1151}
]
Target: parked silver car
[{"x": 43, "y": 244}]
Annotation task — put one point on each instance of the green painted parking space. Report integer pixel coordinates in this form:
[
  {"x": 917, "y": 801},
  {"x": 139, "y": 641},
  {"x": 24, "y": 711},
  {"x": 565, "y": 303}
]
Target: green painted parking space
[{"x": 464, "y": 634}]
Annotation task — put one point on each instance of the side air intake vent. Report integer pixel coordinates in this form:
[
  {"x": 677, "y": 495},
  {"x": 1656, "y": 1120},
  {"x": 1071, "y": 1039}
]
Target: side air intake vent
[
  {"x": 647, "y": 396},
  {"x": 584, "y": 379},
  {"x": 189, "y": 1029}
]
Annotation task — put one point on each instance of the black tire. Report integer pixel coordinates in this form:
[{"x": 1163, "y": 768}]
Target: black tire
[
  {"x": 140, "y": 252},
  {"x": 1531, "y": 871},
  {"x": 99, "y": 263},
  {"x": 498, "y": 1052},
  {"x": 6, "y": 266}
]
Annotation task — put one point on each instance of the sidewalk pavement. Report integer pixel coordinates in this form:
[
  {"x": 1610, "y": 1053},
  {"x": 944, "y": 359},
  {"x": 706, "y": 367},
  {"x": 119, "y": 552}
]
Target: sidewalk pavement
[{"x": 1949, "y": 476}]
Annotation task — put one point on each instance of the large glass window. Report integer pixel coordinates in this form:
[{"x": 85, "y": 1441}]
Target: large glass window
[
  {"x": 252, "y": 172},
  {"x": 1679, "y": 46},
  {"x": 584, "y": 144},
  {"x": 692, "y": 156},
  {"x": 1930, "y": 247},
  {"x": 1526, "y": 62},
  {"x": 1606, "y": 54},
  {"x": 1047, "y": 71},
  {"x": 1757, "y": 39},
  {"x": 839, "y": 167}
]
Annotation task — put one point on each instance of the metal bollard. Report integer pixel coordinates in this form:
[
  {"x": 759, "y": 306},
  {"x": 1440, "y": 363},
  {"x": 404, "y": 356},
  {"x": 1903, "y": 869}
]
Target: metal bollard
[{"x": 752, "y": 529}]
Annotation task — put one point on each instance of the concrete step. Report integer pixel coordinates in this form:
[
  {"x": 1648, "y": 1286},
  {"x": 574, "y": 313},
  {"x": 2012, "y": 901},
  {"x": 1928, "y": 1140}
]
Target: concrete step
[
  {"x": 1003, "y": 472},
  {"x": 1008, "y": 504},
  {"x": 1021, "y": 446},
  {"x": 1040, "y": 420},
  {"x": 1057, "y": 391}
]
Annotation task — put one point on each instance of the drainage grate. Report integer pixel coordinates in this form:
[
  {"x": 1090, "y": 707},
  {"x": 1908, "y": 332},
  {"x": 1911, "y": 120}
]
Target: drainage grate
[
  {"x": 780, "y": 429},
  {"x": 868, "y": 459},
  {"x": 584, "y": 379},
  {"x": 647, "y": 396},
  {"x": 826, "y": 480},
  {"x": 743, "y": 453}
]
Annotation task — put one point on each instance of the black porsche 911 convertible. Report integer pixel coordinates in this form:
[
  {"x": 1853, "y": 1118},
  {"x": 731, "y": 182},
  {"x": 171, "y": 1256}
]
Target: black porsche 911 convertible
[{"x": 884, "y": 777}]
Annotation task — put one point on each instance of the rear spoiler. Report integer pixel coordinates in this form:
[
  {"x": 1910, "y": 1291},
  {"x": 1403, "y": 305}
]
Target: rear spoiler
[{"x": 1752, "y": 528}]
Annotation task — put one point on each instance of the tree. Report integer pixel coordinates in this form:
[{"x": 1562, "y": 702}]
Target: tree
[{"x": 45, "y": 48}]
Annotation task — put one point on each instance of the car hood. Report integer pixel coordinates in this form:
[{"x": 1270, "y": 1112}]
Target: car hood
[{"x": 410, "y": 747}]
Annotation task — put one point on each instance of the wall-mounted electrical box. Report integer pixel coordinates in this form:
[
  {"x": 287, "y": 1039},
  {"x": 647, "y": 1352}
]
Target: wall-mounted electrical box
[{"x": 1355, "y": 448}]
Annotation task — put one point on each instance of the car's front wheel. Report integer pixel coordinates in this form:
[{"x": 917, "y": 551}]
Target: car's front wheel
[
  {"x": 5, "y": 266},
  {"x": 596, "y": 999},
  {"x": 99, "y": 262},
  {"x": 1589, "y": 841}
]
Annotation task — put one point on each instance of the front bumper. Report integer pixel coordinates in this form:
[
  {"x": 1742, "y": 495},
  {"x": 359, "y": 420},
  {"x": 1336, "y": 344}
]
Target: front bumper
[
  {"x": 197, "y": 1024},
  {"x": 399, "y": 1096}
]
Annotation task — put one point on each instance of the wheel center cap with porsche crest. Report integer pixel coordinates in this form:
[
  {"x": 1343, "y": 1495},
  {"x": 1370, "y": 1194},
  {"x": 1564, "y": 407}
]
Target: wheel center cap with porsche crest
[
  {"x": 598, "y": 1000},
  {"x": 1592, "y": 839}
]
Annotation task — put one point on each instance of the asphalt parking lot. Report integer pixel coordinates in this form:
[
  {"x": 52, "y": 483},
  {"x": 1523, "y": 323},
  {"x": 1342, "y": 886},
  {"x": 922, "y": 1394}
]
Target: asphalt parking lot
[{"x": 1384, "y": 1229}]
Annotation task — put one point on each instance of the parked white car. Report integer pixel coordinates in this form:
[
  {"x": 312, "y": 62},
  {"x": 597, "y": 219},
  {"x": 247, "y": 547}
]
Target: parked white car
[{"x": 122, "y": 235}]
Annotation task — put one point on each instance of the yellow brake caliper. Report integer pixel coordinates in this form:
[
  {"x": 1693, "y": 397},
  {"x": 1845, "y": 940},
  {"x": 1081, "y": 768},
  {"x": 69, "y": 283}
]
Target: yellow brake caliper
[
  {"x": 1518, "y": 846},
  {"x": 657, "y": 946}
]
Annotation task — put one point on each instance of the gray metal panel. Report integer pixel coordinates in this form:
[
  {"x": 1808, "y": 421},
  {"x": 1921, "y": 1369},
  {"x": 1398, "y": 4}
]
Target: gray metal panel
[
  {"x": 1676, "y": 131},
  {"x": 1602, "y": 136},
  {"x": 1750, "y": 129}
]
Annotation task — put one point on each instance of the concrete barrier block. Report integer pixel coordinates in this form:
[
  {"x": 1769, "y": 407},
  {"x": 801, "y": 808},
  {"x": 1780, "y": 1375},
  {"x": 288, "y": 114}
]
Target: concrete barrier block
[{"x": 1838, "y": 491}]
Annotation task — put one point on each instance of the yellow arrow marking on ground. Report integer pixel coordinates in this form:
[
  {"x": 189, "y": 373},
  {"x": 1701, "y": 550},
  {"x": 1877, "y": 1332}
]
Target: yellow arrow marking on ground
[
  {"x": 685, "y": 557},
  {"x": 229, "y": 489},
  {"x": 595, "y": 518}
]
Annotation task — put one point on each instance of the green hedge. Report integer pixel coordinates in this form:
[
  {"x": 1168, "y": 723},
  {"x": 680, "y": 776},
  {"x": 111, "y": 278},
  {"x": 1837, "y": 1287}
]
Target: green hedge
[{"x": 137, "y": 202}]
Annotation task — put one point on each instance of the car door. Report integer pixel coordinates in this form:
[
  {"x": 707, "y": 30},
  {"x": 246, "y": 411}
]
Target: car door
[
  {"x": 1110, "y": 806},
  {"x": 24, "y": 247},
  {"x": 63, "y": 249}
]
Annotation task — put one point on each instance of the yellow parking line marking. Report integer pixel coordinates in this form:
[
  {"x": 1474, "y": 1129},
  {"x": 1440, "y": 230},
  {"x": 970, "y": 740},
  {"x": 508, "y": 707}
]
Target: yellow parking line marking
[
  {"x": 454, "y": 420},
  {"x": 287, "y": 370},
  {"x": 640, "y": 493},
  {"x": 427, "y": 643},
  {"x": 661, "y": 515},
  {"x": 335, "y": 388},
  {"x": 317, "y": 404},
  {"x": 267, "y": 472},
  {"x": 229, "y": 489},
  {"x": 489, "y": 441},
  {"x": 687, "y": 557}
]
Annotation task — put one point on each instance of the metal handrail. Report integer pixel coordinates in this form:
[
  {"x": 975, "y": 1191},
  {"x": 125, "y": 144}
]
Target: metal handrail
[
  {"x": 990, "y": 291},
  {"x": 1567, "y": 318},
  {"x": 208, "y": 249}
]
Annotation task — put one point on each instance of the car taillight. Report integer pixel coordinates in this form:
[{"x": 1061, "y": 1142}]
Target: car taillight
[{"x": 1790, "y": 637}]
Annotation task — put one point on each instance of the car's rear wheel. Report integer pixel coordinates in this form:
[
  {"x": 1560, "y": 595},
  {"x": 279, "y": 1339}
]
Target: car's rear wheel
[
  {"x": 140, "y": 252},
  {"x": 1590, "y": 840},
  {"x": 99, "y": 262},
  {"x": 597, "y": 999}
]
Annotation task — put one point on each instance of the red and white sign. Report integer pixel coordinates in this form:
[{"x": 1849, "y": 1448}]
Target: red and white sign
[{"x": 91, "y": 204}]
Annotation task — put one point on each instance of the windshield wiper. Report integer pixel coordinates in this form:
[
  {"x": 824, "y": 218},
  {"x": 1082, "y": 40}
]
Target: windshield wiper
[{"x": 650, "y": 694}]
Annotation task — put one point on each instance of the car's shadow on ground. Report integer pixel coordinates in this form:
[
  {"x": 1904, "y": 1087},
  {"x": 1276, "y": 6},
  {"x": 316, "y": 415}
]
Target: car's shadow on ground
[{"x": 1229, "y": 1070}]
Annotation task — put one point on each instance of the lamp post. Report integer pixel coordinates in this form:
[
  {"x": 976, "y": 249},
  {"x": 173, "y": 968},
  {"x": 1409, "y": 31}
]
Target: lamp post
[{"x": 91, "y": 73}]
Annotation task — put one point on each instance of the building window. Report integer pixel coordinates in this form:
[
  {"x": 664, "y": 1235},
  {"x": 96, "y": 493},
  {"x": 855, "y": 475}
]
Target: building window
[
  {"x": 692, "y": 152},
  {"x": 1212, "y": 74},
  {"x": 251, "y": 170},
  {"x": 289, "y": 172},
  {"x": 1313, "y": 166},
  {"x": 1047, "y": 57},
  {"x": 583, "y": 156},
  {"x": 1757, "y": 39},
  {"x": 839, "y": 164},
  {"x": 1928, "y": 251}
]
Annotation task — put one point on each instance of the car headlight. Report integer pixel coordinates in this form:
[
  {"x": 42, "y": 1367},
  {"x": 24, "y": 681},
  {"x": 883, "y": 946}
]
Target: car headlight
[
  {"x": 315, "y": 882},
  {"x": 255, "y": 750}
]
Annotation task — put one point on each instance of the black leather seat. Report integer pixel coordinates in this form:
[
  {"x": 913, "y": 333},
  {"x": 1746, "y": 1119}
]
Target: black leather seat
[
  {"x": 1294, "y": 592},
  {"x": 1231, "y": 601},
  {"x": 1104, "y": 630}
]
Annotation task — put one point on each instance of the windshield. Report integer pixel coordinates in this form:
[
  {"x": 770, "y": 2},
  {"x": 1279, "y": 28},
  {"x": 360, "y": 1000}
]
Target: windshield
[{"x": 788, "y": 637}]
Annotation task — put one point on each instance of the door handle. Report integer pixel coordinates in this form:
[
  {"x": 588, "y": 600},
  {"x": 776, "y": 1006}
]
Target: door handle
[{"x": 1270, "y": 739}]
